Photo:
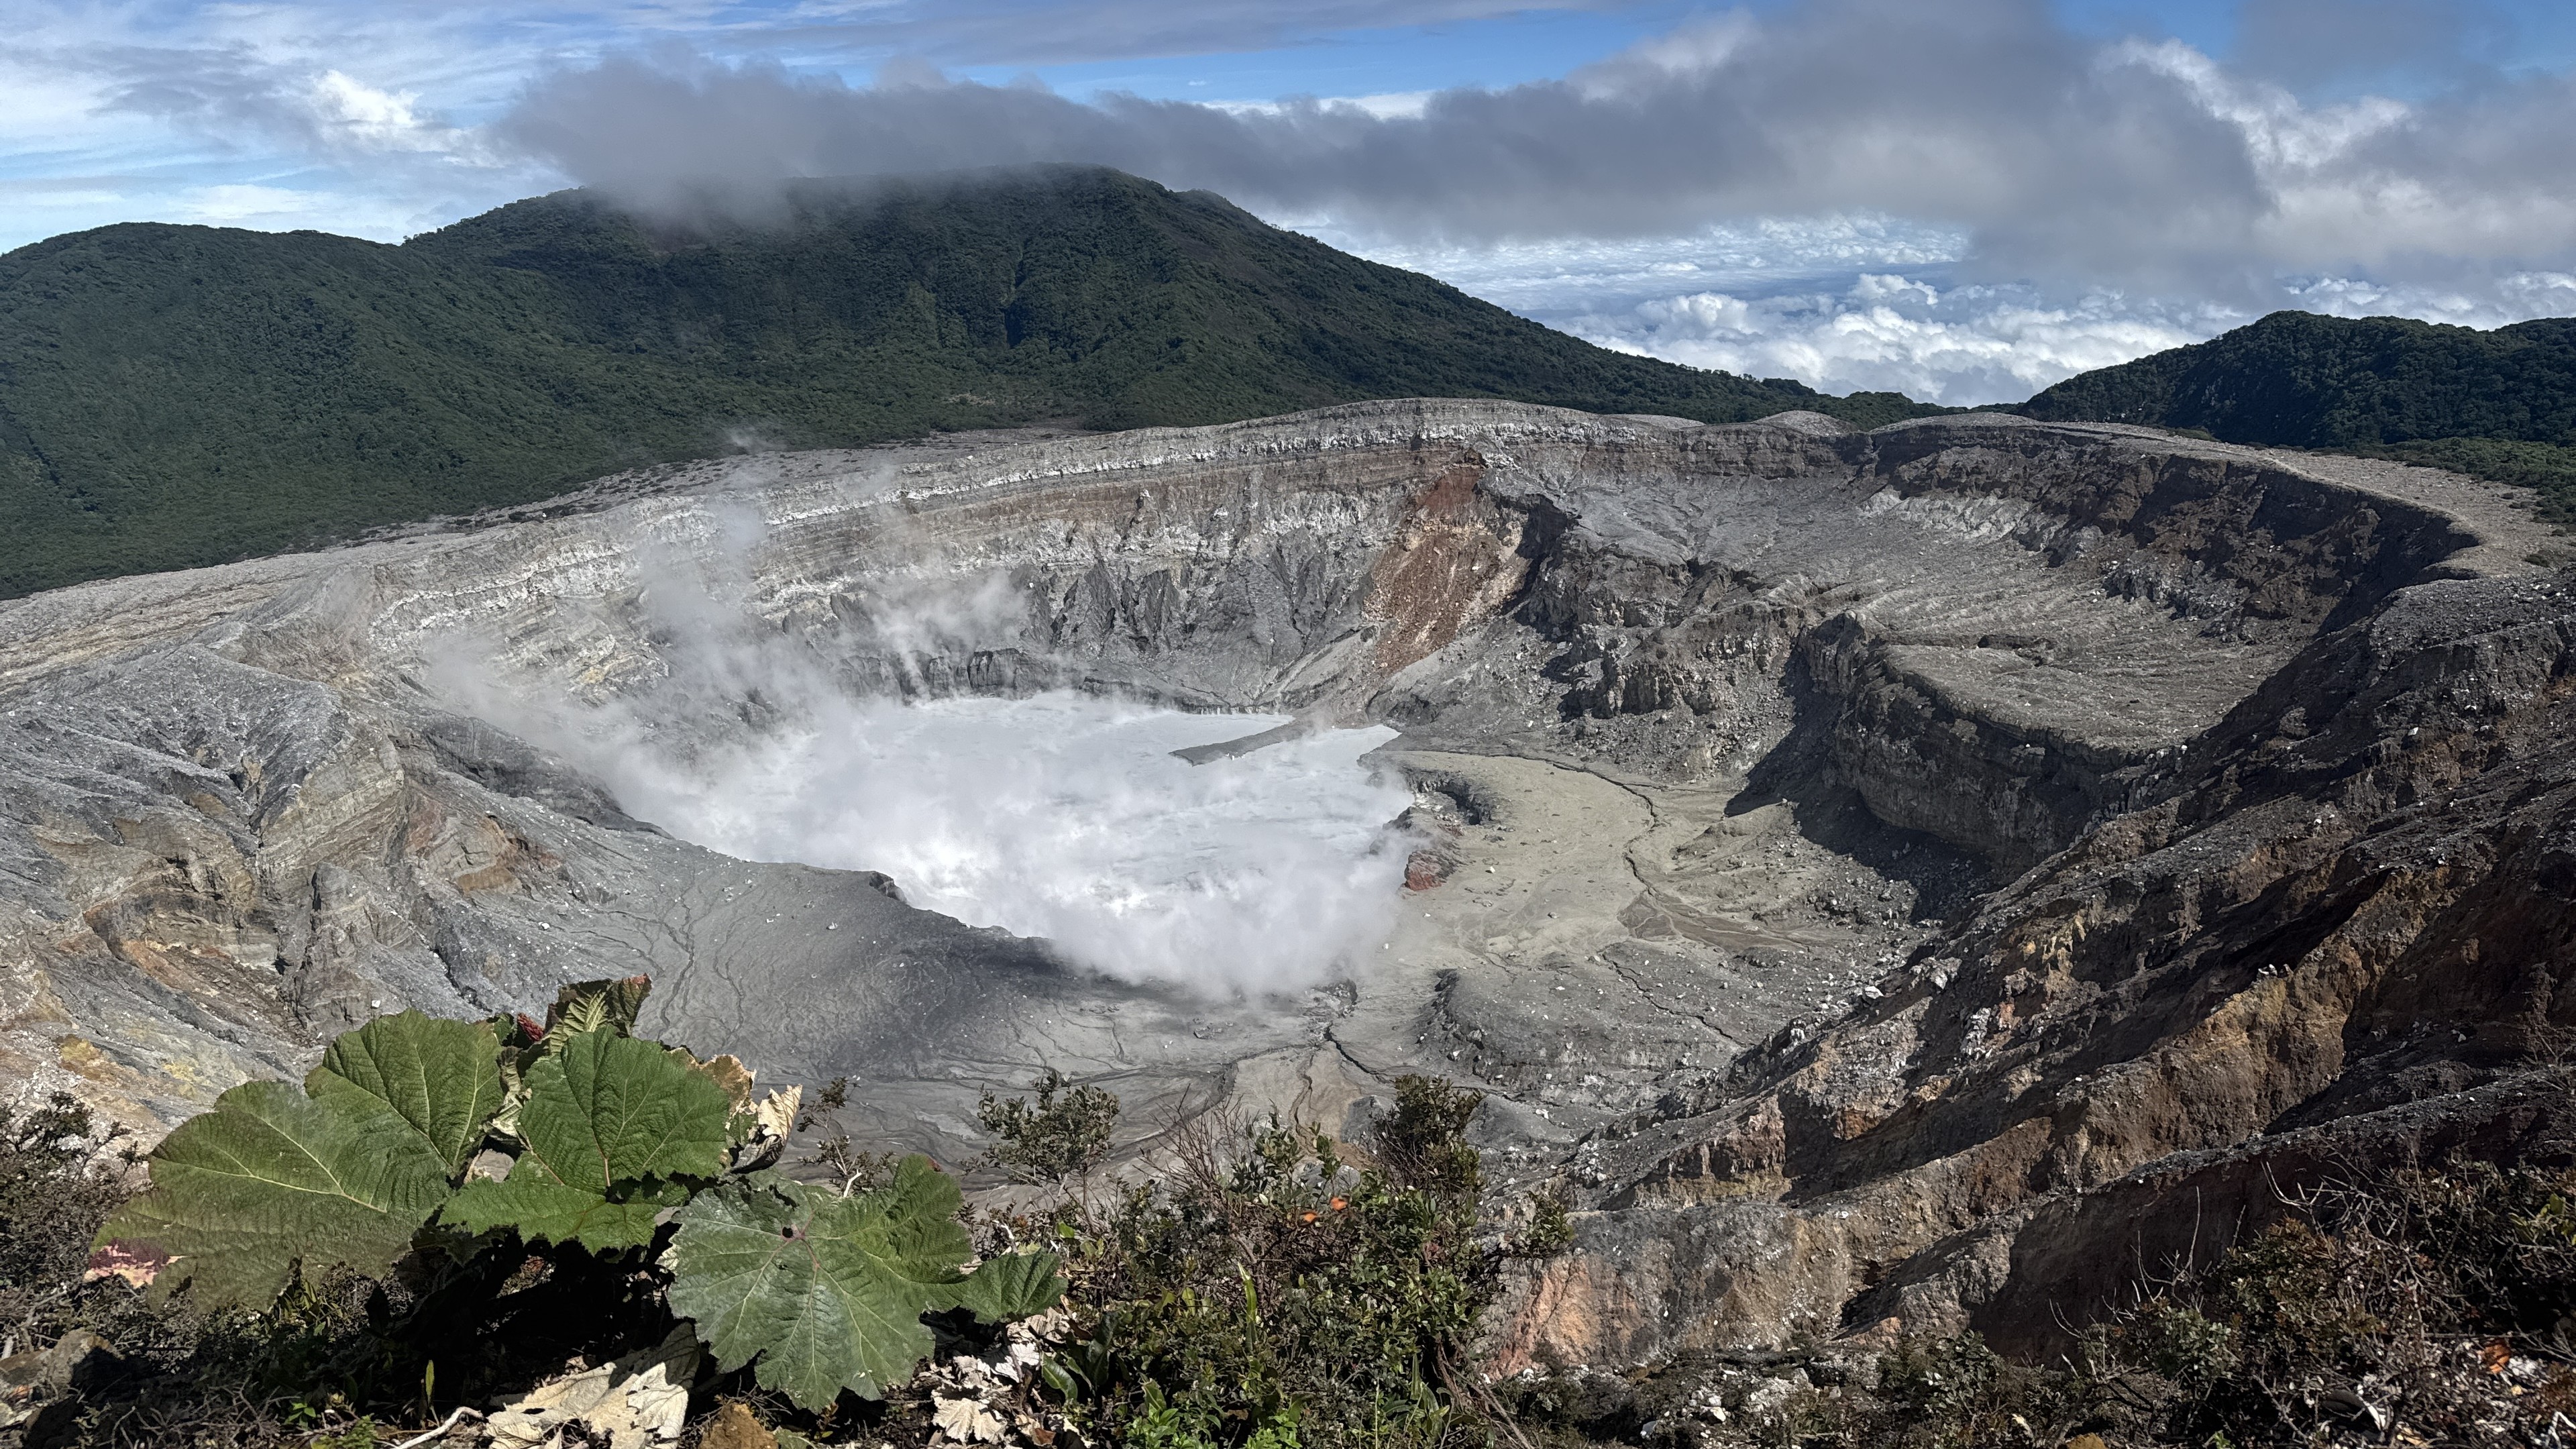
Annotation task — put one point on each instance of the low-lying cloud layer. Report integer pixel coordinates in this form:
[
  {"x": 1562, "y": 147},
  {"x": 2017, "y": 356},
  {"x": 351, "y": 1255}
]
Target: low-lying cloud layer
[
  {"x": 1841, "y": 303},
  {"x": 1902, "y": 320}
]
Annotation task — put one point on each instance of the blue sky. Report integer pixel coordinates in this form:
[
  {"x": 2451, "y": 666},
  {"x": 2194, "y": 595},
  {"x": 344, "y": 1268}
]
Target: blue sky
[{"x": 1965, "y": 199}]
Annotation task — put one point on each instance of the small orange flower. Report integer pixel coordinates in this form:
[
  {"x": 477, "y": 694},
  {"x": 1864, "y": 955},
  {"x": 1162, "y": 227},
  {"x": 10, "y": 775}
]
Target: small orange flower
[
  {"x": 1310, "y": 1217},
  {"x": 1340, "y": 1203}
]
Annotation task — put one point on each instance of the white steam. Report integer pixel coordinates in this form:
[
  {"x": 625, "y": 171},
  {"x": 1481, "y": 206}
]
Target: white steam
[
  {"x": 1062, "y": 816},
  {"x": 1067, "y": 817}
]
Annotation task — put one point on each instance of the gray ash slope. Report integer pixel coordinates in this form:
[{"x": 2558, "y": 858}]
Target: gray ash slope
[{"x": 1859, "y": 846}]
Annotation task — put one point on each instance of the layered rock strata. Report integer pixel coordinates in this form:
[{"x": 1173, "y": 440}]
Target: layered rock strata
[
  {"x": 1858, "y": 862},
  {"x": 2335, "y": 943}
]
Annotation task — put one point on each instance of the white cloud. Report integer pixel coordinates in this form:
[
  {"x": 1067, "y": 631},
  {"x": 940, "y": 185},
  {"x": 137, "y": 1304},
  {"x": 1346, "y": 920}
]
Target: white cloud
[
  {"x": 2281, "y": 133},
  {"x": 1840, "y": 303},
  {"x": 1393, "y": 105},
  {"x": 1696, "y": 47},
  {"x": 2514, "y": 297},
  {"x": 257, "y": 207},
  {"x": 1917, "y": 333},
  {"x": 233, "y": 205},
  {"x": 1885, "y": 333},
  {"x": 356, "y": 116},
  {"x": 2145, "y": 166},
  {"x": 43, "y": 108},
  {"x": 1965, "y": 200},
  {"x": 1874, "y": 303},
  {"x": 2471, "y": 174},
  {"x": 1556, "y": 276}
]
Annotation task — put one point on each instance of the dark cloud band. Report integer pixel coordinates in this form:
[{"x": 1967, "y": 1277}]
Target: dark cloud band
[{"x": 2126, "y": 164}]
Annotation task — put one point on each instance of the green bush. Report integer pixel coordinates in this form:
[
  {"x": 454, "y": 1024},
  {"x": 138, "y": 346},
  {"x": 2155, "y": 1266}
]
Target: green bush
[
  {"x": 59, "y": 1179},
  {"x": 1050, "y": 1139},
  {"x": 1274, "y": 1289}
]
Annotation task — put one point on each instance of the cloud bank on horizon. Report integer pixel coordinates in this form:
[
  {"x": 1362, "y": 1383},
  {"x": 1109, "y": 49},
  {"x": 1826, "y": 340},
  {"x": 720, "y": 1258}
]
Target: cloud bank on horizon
[{"x": 1964, "y": 201}]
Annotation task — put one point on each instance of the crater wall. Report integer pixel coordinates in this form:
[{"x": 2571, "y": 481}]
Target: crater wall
[{"x": 1846, "y": 850}]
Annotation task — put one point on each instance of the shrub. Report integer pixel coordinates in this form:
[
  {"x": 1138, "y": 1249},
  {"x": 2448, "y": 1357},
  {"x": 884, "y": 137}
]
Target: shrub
[
  {"x": 60, "y": 1176},
  {"x": 1269, "y": 1293},
  {"x": 1053, "y": 1138}
]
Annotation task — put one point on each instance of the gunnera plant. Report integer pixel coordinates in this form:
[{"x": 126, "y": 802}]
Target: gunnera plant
[{"x": 454, "y": 1174}]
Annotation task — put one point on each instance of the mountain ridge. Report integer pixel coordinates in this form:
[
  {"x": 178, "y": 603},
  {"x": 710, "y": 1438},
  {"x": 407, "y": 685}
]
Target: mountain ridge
[
  {"x": 2495, "y": 403},
  {"x": 175, "y": 396}
]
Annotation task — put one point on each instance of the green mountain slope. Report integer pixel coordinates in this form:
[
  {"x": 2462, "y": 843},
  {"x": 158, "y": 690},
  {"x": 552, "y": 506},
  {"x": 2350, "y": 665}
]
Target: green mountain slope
[
  {"x": 2499, "y": 404},
  {"x": 172, "y": 396}
]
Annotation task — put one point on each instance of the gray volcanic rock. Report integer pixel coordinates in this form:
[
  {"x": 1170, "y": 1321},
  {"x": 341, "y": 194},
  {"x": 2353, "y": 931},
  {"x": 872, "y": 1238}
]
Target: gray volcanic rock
[
  {"x": 1847, "y": 851},
  {"x": 2338, "y": 938}
]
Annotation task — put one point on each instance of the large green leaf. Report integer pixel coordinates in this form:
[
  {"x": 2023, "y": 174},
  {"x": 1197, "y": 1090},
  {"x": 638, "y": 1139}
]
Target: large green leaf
[
  {"x": 611, "y": 1108},
  {"x": 442, "y": 1077},
  {"x": 1015, "y": 1285},
  {"x": 543, "y": 1211},
  {"x": 607, "y": 1121},
  {"x": 588, "y": 1006},
  {"x": 272, "y": 1177},
  {"x": 827, "y": 1292}
]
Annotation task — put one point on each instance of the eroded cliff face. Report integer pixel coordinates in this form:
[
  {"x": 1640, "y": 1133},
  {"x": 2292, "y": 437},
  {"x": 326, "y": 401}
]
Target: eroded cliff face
[
  {"x": 2338, "y": 939},
  {"x": 1865, "y": 867}
]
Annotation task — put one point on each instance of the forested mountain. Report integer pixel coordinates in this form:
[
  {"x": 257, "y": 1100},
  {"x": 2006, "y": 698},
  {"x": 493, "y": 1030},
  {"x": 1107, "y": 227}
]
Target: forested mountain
[
  {"x": 178, "y": 395},
  {"x": 2499, "y": 404}
]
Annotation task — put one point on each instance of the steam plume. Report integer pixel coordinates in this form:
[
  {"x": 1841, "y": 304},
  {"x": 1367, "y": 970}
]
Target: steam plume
[{"x": 1061, "y": 816}]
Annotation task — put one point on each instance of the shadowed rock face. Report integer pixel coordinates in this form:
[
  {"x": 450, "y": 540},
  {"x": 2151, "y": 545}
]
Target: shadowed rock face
[{"x": 1869, "y": 869}]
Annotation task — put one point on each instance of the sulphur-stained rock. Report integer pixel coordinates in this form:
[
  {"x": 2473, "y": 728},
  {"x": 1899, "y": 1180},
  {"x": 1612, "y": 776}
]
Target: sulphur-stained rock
[{"x": 1863, "y": 868}]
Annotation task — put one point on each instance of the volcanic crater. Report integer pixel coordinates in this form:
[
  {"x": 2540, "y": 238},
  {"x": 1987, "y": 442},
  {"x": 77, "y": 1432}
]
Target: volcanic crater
[{"x": 1873, "y": 874}]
